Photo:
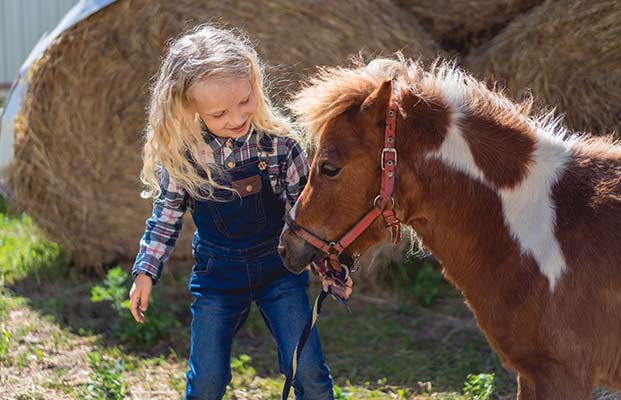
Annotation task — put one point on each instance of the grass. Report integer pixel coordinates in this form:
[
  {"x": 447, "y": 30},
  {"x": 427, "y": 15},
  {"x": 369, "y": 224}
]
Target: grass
[
  {"x": 56, "y": 342},
  {"x": 25, "y": 252}
]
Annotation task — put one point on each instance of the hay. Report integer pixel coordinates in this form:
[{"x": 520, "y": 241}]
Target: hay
[
  {"x": 78, "y": 137},
  {"x": 458, "y": 25},
  {"x": 568, "y": 54}
]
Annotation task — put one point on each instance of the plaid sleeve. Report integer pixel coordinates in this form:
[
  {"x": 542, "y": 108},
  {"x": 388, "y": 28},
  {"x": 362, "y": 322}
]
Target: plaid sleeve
[
  {"x": 295, "y": 173},
  {"x": 162, "y": 231}
]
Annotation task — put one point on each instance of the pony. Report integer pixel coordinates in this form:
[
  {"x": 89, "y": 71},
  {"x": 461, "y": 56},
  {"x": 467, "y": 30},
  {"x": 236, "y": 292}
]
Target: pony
[{"x": 524, "y": 216}]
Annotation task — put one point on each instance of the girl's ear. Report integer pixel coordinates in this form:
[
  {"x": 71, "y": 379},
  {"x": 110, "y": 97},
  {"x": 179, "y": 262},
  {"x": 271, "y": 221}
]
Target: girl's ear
[{"x": 374, "y": 108}]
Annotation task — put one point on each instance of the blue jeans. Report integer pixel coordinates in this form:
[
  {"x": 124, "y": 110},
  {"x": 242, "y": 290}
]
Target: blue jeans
[{"x": 218, "y": 314}]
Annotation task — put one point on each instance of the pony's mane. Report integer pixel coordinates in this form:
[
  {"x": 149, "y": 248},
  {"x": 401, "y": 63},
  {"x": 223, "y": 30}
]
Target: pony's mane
[{"x": 333, "y": 90}]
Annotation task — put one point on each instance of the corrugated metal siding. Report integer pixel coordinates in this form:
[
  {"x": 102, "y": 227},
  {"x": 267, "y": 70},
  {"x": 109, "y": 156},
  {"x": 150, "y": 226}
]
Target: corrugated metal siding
[{"x": 22, "y": 23}]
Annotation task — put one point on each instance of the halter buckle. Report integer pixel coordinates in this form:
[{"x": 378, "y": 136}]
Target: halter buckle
[{"x": 388, "y": 150}]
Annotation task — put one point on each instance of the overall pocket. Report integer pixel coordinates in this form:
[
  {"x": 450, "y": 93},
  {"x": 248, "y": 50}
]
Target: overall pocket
[
  {"x": 202, "y": 264},
  {"x": 243, "y": 216}
]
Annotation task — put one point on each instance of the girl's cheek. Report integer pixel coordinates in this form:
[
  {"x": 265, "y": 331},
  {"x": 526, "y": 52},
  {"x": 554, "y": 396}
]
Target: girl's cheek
[{"x": 251, "y": 106}]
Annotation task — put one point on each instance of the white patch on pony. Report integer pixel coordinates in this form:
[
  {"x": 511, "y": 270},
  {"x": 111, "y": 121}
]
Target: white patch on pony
[
  {"x": 528, "y": 209},
  {"x": 455, "y": 151},
  {"x": 292, "y": 211},
  {"x": 452, "y": 87}
]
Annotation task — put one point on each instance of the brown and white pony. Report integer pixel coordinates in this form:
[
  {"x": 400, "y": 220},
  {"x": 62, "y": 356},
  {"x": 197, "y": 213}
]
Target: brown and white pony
[{"x": 525, "y": 219}]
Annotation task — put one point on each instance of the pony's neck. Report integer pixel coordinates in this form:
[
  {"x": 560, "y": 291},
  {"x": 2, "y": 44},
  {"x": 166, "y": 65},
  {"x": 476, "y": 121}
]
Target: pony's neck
[{"x": 485, "y": 191}]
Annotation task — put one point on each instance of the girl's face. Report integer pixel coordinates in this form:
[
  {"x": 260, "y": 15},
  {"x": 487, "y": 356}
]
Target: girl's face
[{"x": 226, "y": 106}]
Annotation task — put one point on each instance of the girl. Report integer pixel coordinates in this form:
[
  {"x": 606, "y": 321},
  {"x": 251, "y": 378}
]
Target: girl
[{"x": 216, "y": 146}]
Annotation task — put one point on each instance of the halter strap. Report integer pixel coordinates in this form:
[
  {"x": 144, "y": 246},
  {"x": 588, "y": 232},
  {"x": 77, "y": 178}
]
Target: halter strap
[{"x": 388, "y": 159}]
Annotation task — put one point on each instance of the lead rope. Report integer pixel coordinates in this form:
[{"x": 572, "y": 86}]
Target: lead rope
[{"x": 302, "y": 341}]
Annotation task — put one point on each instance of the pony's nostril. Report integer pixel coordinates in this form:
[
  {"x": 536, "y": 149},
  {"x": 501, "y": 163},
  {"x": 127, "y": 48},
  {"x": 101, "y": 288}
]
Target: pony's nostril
[{"x": 282, "y": 250}]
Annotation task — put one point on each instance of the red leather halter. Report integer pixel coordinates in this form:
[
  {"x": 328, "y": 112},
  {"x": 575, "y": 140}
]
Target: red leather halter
[{"x": 383, "y": 204}]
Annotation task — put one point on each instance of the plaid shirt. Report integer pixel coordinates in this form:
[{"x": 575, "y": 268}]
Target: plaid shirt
[{"x": 287, "y": 167}]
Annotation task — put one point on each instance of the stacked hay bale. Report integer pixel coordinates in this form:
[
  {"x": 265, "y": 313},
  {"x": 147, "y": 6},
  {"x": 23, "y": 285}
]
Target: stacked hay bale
[
  {"x": 78, "y": 138},
  {"x": 568, "y": 54},
  {"x": 460, "y": 25}
]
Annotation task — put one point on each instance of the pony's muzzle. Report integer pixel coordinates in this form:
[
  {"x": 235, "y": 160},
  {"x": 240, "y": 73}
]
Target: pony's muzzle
[{"x": 295, "y": 252}]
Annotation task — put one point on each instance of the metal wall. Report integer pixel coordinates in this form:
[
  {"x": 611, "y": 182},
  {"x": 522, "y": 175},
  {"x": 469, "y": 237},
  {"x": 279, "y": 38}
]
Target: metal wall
[{"x": 22, "y": 23}]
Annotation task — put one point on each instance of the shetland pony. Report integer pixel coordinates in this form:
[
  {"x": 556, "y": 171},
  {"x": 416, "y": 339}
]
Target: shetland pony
[{"x": 524, "y": 217}]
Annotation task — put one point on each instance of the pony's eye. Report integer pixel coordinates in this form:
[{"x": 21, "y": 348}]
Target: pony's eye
[{"x": 329, "y": 170}]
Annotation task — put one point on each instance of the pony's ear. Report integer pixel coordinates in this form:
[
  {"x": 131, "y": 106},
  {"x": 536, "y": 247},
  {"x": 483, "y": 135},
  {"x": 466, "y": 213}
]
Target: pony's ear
[{"x": 375, "y": 106}]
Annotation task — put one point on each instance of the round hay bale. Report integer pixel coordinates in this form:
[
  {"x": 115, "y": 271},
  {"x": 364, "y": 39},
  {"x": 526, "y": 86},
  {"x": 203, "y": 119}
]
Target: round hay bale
[
  {"x": 458, "y": 25},
  {"x": 79, "y": 135},
  {"x": 568, "y": 54}
]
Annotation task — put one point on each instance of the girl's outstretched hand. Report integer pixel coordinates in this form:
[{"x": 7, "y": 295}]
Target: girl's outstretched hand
[{"x": 139, "y": 296}]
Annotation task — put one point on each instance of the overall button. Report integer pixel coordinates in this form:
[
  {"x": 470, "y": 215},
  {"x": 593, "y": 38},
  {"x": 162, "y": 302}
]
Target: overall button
[
  {"x": 249, "y": 188},
  {"x": 230, "y": 164}
]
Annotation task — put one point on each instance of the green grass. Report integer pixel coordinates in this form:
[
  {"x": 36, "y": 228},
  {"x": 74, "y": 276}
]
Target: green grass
[
  {"x": 107, "y": 381},
  {"x": 24, "y": 251}
]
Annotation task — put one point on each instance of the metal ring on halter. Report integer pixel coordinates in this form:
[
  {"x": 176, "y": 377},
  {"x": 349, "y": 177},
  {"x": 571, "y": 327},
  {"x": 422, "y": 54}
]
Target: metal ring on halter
[
  {"x": 378, "y": 197},
  {"x": 355, "y": 262},
  {"x": 346, "y": 268}
]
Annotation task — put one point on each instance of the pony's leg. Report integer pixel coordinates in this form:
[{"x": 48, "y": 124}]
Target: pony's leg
[
  {"x": 555, "y": 383},
  {"x": 525, "y": 389}
]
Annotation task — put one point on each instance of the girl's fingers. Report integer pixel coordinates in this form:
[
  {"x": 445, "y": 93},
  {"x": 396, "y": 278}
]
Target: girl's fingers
[
  {"x": 134, "y": 305},
  {"x": 144, "y": 301}
]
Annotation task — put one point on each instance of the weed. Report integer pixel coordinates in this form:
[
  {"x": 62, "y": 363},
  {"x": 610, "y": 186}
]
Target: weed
[
  {"x": 156, "y": 326},
  {"x": 107, "y": 381},
  {"x": 479, "y": 387},
  {"x": 5, "y": 342},
  {"x": 242, "y": 365},
  {"x": 341, "y": 393},
  {"x": 3, "y": 308},
  {"x": 21, "y": 361},
  {"x": 38, "y": 353},
  {"x": 176, "y": 380}
]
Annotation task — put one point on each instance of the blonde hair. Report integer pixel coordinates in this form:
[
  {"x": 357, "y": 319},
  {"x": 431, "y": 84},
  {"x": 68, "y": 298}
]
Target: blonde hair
[{"x": 174, "y": 139}]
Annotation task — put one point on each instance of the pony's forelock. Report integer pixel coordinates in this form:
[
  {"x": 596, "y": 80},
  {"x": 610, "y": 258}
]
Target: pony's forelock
[{"x": 333, "y": 90}]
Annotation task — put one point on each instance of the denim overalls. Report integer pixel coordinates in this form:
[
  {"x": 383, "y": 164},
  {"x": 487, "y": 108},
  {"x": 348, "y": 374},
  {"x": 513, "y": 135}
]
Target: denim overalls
[{"x": 236, "y": 262}]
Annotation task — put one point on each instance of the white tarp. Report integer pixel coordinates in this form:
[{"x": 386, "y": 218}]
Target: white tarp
[{"x": 13, "y": 104}]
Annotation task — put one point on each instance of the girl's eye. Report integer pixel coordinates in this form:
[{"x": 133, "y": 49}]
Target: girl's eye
[
  {"x": 218, "y": 115},
  {"x": 244, "y": 101},
  {"x": 329, "y": 170}
]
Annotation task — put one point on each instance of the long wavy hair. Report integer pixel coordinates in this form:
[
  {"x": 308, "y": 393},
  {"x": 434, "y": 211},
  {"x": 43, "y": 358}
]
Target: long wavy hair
[{"x": 174, "y": 139}]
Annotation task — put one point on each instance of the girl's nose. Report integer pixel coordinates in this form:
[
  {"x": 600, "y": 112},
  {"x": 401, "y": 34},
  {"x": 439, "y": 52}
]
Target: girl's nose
[{"x": 238, "y": 119}]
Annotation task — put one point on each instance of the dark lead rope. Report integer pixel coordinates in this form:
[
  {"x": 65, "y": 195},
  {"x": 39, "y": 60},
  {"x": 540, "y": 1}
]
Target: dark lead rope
[{"x": 301, "y": 342}]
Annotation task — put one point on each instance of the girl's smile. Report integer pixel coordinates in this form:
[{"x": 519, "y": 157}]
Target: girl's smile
[{"x": 242, "y": 128}]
